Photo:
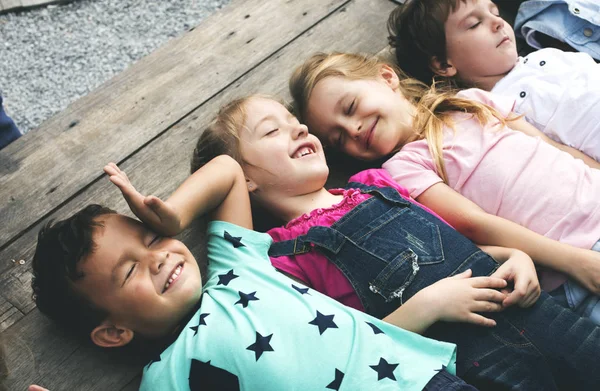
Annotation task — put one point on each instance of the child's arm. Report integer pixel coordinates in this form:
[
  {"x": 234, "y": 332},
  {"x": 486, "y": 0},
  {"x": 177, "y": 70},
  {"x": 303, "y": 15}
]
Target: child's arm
[
  {"x": 453, "y": 299},
  {"x": 484, "y": 228},
  {"x": 218, "y": 188},
  {"x": 523, "y": 126}
]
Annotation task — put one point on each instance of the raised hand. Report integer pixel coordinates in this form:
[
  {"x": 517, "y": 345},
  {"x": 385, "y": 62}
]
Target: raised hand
[
  {"x": 153, "y": 211},
  {"x": 519, "y": 270},
  {"x": 461, "y": 298}
]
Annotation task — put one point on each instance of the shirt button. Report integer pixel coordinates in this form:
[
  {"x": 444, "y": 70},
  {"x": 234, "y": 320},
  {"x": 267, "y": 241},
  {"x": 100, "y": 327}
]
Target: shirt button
[
  {"x": 525, "y": 62},
  {"x": 542, "y": 63},
  {"x": 522, "y": 94},
  {"x": 576, "y": 11},
  {"x": 588, "y": 32}
]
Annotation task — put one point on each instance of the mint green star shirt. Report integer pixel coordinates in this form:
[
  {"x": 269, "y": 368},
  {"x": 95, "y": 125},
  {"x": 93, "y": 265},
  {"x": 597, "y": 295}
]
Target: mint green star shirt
[{"x": 256, "y": 329}]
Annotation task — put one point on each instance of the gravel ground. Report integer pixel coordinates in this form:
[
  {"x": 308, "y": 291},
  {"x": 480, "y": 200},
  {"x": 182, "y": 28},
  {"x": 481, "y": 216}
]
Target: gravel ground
[{"x": 51, "y": 56}]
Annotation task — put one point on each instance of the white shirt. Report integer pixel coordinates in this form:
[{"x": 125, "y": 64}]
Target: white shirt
[{"x": 559, "y": 93}]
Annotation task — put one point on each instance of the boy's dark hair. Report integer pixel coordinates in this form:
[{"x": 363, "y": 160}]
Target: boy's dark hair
[
  {"x": 60, "y": 247},
  {"x": 417, "y": 34}
]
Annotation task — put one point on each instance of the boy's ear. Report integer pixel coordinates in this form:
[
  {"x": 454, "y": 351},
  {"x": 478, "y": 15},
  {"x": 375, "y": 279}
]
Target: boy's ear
[
  {"x": 389, "y": 76},
  {"x": 107, "y": 335},
  {"x": 444, "y": 69},
  {"x": 252, "y": 186}
]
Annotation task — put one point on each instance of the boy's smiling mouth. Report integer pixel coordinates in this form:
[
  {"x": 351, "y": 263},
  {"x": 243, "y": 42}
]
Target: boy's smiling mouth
[{"x": 174, "y": 276}]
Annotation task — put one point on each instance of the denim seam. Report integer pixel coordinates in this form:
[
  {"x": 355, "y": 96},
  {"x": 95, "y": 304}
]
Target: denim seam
[{"x": 392, "y": 216}]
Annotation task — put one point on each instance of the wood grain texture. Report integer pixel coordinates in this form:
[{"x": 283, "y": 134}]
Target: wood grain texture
[
  {"x": 47, "y": 166},
  {"x": 61, "y": 363}
]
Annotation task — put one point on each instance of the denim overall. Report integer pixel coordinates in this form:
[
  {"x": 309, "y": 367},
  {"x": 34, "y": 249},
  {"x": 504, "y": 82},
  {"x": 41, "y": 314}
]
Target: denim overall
[{"x": 390, "y": 248}]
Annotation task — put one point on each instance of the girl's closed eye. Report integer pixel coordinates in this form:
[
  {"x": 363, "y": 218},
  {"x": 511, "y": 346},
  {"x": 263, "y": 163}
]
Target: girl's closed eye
[
  {"x": 351, "y": 107},
  {"x": 271, "y": 132}
]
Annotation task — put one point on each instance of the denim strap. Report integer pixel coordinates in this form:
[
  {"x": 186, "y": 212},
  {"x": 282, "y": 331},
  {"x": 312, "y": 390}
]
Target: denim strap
[{"x": 326, "y": 237}]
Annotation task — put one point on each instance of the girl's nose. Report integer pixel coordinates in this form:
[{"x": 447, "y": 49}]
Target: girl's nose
[
  {"x": 356, "y": 132},
  {"x": 300, "y": 130}
]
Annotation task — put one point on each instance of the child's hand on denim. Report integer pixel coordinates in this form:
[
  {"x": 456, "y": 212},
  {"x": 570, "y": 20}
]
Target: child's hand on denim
[
  {"x": 524, "y": 288},
  {"x": 461, "y": 298},
  {"x": 153, "y": 211}
]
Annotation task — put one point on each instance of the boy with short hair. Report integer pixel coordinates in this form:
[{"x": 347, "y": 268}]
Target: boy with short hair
[
  {"x": 249, "y": 327},
  {"x": 468, "y": 43}
]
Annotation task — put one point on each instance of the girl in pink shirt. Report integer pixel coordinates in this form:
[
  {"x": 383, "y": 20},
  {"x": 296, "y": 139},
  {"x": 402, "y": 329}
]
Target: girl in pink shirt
[
  {"x": 374, "y": 248},
  {"x": 467, "y": 158}
]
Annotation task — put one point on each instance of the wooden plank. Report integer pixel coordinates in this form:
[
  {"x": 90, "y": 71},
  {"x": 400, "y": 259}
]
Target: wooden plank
[
  {"x": 164, "y": 163},
  {"x": 134, "y": 385},
  {"x": 45, "y": 167},
  {"x": 172, "y": 154},
  {"x": 8, "y": 5},
  {"x": 39, "y": 353}
]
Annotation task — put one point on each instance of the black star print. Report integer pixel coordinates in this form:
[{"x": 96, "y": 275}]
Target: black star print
[
  {"x": 236, "y": 241},
  {"x": 200, "y": 323},
  {"x": 376, "y": 329},
  {"x": 302, "y": 291},
  {"x": 324, "y": 322},
  {"x": 224, "y": 279},
  {"x": 245, "y": 298},
  {"x": 441, "y": 369},
  {"x": 206, "y": 377},
  {"x": 335, "y": 385},
  {"x": 384, "y": 369},
  {"x": 261, "y": 345},
  {"x": 154, "y": 359}
]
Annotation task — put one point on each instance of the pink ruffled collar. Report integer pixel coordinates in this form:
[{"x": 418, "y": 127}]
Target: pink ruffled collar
[{"x": 351, "y": 198}]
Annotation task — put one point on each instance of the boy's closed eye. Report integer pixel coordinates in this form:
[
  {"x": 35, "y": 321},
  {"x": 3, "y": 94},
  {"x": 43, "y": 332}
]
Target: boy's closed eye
[{"x": 129, "y": 273}]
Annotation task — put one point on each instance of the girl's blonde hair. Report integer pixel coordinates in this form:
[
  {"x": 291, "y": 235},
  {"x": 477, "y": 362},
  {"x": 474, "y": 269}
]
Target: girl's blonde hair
[{"x": 434, "y": 106}]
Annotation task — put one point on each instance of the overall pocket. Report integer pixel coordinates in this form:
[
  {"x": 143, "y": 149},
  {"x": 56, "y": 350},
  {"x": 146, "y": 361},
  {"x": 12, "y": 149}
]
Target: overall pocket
[{"x": 405, "y": 242}]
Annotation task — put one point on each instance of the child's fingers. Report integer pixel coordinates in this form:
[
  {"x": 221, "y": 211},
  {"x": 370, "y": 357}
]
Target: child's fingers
[
  {"x": 491, "y": 295},
  {"x": 466, "y": 274},
  {"x": 487, "y": 306},
  {"x": 157, "y": 205},
  {"x": 488, "y": 282},
  {"x": 533, "y": 293},
  {"x": 480, "y": 320}
]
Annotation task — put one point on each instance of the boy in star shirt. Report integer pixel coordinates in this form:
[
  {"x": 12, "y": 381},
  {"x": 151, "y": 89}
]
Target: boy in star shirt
[{"x": 249, "y": 327}]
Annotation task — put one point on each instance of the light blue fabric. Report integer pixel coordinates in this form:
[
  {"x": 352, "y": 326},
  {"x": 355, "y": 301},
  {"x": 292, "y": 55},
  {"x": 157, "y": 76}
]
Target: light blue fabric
[
  {"x": 256, "y": 329},
  {"x": 578, "y": 298},
  {"x": 576, "y": 22}
]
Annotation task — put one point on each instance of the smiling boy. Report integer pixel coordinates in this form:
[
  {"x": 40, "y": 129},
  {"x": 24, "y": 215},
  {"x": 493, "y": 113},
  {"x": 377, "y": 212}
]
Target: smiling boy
[{"x": 249, "y": 327}]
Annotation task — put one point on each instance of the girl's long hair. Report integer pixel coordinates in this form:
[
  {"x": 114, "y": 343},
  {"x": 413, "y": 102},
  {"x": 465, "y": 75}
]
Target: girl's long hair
[{"x": 434, "y": 106}]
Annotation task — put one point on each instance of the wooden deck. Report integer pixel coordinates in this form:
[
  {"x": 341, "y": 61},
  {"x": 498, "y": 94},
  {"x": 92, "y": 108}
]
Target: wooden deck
[
  {"x": 20, "y": 5},
  {"x": 146, "y": 119}
]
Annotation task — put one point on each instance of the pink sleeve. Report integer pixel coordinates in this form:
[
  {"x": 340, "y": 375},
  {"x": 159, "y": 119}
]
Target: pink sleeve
[
  {"x": 413, "y": 168},
  {"x": 503, "y": 104},
  {"x": 290, "y": 266},
  {"x": 378, "y": 177},
  {"x": 381, "y": 178}
]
